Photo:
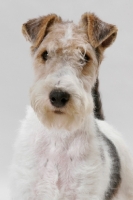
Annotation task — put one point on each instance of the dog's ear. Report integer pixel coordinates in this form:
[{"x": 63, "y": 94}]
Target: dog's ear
[
  {"x": 36, "y": 29},
  {"x": 101, "y": 34}
]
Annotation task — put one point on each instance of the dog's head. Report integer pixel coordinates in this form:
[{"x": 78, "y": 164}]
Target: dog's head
[{"x": 66, "y": 60}]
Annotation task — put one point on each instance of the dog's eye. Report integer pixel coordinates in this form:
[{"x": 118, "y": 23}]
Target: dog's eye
[
  {"x": 86, "y": 58},
  {"x": 45, "y": 55}
]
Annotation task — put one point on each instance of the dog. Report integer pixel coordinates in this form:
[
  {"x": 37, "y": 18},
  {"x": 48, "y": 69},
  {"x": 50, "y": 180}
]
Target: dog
[{"x": 65, "y": 150}]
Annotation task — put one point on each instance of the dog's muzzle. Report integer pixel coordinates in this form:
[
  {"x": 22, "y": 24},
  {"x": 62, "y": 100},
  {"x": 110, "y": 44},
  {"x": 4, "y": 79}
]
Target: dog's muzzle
[{"x": 59, "y": 98}]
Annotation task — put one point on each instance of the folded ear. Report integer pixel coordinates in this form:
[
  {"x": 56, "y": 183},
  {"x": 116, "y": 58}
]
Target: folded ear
[
  {"x": 101, "y": 34},
  {"x": 36, "y": 29}
]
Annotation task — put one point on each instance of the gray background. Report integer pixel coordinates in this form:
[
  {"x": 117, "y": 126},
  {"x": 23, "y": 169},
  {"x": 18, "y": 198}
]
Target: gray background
[{"x": 116, "y": 75}]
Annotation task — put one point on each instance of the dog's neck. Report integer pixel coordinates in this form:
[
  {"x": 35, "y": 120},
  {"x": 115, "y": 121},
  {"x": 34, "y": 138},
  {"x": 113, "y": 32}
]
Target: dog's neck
[
  {"x": 86, "y": 130},
  {"x": 85, "y": 133}
]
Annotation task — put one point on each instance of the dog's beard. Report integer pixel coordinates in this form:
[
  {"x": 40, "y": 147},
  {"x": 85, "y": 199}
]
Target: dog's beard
[
  {"x": 70, "y": 117},
  {"x": 58, "y": 120}
]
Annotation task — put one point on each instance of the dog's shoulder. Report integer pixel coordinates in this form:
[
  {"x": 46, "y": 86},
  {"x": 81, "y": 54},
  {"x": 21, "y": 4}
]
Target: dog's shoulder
[
  {"x": 114, "y": 136},
  {"x": 108, "y": 130}
]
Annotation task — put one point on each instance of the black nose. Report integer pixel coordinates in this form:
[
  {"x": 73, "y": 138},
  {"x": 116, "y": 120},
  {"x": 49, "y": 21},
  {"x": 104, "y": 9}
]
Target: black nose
[{"x": 59, "y": 98}]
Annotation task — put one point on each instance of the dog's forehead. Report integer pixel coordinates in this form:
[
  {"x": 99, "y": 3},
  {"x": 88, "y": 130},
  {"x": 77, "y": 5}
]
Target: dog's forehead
[
  {"x": 69, "y": 30},
  {"x": 66, "y": 34}
]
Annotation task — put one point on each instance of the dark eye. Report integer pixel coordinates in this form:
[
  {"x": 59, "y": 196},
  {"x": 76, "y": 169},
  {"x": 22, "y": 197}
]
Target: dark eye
[
  {"x": 86, "y": 58},
  {"x": 45, "y": 55}
]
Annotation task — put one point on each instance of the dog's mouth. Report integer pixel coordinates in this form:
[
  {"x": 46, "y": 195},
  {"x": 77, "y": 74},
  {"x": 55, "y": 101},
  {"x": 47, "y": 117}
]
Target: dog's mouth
[{"x": 58, "y": 112}]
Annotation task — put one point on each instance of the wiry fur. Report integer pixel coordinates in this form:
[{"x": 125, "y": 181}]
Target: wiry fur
[
  {"x": 98, "y": 111},
  {"x": 66, "y": 153}
]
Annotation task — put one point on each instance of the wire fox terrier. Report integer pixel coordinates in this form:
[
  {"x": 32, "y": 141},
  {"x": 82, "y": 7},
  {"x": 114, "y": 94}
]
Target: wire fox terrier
[{"x": 64, "y": 152}]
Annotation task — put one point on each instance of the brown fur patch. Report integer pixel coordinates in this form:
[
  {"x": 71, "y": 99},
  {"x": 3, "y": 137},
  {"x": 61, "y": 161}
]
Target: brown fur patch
[
  {"x": 61, "y": 52},
  {"x": 36, "y": 29},
  {"x": 100, "y": 33}
]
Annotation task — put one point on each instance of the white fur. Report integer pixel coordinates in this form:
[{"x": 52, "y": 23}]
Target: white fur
[
  {"x": 68, "y": 34},
  {"x": 63, "y": 165}
]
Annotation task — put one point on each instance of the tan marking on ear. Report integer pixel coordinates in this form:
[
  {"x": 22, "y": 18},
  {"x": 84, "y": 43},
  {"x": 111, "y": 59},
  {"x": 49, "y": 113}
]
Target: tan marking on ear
[
  {"x": 36, "y": 29},
  {"x": 101, "y": 34}
]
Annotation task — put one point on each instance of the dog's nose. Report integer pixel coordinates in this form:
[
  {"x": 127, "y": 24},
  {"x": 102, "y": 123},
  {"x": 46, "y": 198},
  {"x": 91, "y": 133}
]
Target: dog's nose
[{"x": 59, "y": 98}]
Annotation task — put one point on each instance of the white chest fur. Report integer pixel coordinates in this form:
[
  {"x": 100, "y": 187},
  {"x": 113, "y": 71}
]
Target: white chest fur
[
  {"x": 67, "y": 169},
  {"x": 58, "y": 165}
]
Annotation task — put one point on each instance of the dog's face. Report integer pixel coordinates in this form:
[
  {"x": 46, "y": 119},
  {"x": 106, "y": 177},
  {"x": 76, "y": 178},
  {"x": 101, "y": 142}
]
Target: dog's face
[
  {"x": 66, "y": 60},
  {"x": 65, "y": 69}
]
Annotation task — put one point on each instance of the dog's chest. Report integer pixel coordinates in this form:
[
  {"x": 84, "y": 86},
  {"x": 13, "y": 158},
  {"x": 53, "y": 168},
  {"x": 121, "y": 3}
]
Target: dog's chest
[
  {"x": 60, "y": 165},
  {"x": 64, "y": 168}
]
